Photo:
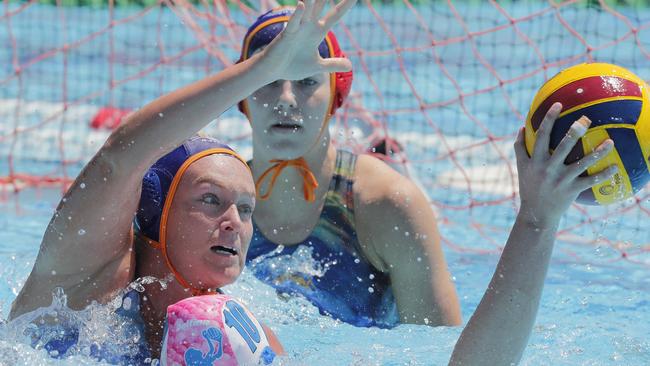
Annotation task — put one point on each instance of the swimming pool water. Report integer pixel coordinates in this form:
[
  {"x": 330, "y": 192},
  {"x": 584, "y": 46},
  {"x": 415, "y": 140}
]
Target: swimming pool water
[
  {"x": 595, "y": 303},
  {"x": 590, "y": 314}
]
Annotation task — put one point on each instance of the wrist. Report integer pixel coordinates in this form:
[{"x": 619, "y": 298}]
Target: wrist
[
  {"x": 537, "y": 219},
  {"x": 262, "y": 69}
]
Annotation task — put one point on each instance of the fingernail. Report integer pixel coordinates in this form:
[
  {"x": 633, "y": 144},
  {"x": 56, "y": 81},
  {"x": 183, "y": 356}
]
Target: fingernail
[
  {"x": 605, "y": 146},
  {"x": 556, "y": 107},
  {"x": 584, "y": 121},
  {"x": 581, "y": 125}
]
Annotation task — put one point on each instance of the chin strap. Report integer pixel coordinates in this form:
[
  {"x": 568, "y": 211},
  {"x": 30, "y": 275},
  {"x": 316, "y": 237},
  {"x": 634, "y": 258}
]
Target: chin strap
[
  {"x": 179, "y": 278},
  {"x": 309, "y": 183},
  {"x": 162, "y": 244}
]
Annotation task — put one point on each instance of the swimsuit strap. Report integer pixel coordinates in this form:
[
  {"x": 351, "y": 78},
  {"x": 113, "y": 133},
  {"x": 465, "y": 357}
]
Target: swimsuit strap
[{"x": 343, "y": 178}]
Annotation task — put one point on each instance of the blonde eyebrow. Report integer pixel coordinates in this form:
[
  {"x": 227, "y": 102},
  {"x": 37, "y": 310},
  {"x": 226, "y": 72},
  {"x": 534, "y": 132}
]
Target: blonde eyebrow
[{"x": 211, "y": 180}]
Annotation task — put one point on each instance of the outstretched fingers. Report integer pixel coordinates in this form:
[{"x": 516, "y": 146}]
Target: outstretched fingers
[
  {"x": 336, "y": 13},
  {"x": 331, "y": 65},
  {"x": 296, "y": 18},
  {"x": 540, "y": 151},
  {"x": 583, "y": 183},
  {"x": 318, "y": 8},
  {"x": 586, "y": 162},
  {"x": 309, "y": 10},
  {"x": 520, "y": 148},
  {"x": 576, "y": 131}
]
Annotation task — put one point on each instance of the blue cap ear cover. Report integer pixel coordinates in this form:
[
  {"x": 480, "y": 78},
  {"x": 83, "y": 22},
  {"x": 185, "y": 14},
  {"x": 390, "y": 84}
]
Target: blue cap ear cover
[{"x": 158, "y": 179}]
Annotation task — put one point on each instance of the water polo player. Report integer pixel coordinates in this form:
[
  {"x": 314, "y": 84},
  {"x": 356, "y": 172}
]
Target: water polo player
[
  {"x": 498, "y": 331},
  {"x": 194, "y": 220},
  {"x": 203, "y": 227},
  {"x": 193, "y": 224},
  {"x": 369, "y": 230}
]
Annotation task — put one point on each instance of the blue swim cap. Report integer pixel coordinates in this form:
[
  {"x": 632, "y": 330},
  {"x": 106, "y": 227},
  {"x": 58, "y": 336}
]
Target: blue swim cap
[
  {"x": 159, "y": 177},
  {"x": 267, "y": 26},
  {"x": 159, "y": 185}
]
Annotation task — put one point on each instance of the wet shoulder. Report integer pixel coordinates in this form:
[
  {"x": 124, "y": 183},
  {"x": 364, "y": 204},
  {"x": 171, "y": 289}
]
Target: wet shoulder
[{"x": 376, "y": 181}]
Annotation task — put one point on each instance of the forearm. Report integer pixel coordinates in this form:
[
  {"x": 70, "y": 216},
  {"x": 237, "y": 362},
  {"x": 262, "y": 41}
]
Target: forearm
[
  {"x": 425, "y": 294},
  {"x": 499, "y": 330},
  {"x": 167, "y": 121}
]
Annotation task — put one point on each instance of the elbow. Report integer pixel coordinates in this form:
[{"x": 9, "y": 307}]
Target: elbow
[
  {"x": 452, "y": 316},
  {"x": 121, "y": 154},
  {"x": 454, "y": 319}
]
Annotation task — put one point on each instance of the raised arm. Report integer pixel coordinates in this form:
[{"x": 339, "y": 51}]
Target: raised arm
[
  {"x": 87, "y": 247},
  {"x": 498, "y": 331},
  {"x": 398, "y": 230}
]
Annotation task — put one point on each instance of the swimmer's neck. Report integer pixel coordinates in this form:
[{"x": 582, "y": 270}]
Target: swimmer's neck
[
  {"x": 286, "y": 217},
  {"x": 155, "y": 300}
]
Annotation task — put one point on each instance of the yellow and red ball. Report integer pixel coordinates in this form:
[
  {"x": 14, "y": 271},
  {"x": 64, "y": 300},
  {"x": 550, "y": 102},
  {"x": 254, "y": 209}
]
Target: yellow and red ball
[{"x": 618, "y": 104}]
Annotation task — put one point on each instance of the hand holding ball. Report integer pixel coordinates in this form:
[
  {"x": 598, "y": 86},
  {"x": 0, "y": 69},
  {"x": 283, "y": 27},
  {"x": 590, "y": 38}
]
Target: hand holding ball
[{"x": 618, "y": 104}]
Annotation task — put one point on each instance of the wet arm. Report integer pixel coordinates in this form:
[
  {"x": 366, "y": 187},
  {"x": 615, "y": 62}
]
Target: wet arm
[
  {"x": 398, "y": 229},
  {"x": 498, "y": 331}
]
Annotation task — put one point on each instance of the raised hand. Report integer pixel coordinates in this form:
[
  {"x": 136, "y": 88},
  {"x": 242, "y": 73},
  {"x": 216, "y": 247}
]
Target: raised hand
[
  {"x": 293, "y": 55},
  {"x": 547, "y": 186}
]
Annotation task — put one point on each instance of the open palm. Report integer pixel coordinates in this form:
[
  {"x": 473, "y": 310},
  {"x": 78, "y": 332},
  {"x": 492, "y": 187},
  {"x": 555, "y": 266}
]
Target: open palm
[{"x": 293, "y": 55}]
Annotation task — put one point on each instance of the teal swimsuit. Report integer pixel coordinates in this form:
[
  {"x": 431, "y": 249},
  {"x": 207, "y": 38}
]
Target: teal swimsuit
[{"x": 328, "y": 268}]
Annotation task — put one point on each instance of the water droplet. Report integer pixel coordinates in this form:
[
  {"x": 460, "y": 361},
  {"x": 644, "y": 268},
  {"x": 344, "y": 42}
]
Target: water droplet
[
  {"x": 371, "y": 290},
  {"x": 371, "y": 276},
  {"x": 81, "y": 232},
  {"x": 265, "y": 105},
  {"x": 53, "y": 273},
  {"x": 161, "y": 114},
  {"x": 357, "y": 261},
  {"x": 419, "y": 259},
  {"x": 275, "y": 231},
  {"x": 82, "y": 185},
  {"x": 126, "y": 303}
]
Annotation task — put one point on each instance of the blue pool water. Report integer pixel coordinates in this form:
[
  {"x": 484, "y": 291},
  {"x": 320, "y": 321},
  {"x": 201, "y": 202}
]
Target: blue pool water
[
  {"x": 595, "y": 303},
  {"x": 590, "y": 315}
]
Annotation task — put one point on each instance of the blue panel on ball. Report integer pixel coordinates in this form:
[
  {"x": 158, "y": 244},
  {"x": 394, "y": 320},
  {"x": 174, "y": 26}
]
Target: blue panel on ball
[
  {"x": 613, "y": 112},
  {"x": 627, "y": 145}
]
